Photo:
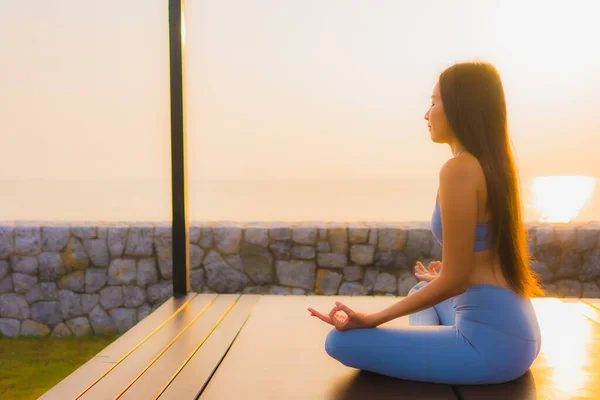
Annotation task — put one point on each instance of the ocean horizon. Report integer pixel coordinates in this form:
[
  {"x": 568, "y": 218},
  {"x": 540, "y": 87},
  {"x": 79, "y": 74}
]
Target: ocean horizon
[{"x": 234, "y": 199}]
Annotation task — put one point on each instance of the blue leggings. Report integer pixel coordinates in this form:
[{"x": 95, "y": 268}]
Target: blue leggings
[{"x": 488, "y": 334}]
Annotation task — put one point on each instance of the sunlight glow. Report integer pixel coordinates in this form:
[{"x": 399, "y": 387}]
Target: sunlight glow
[
  {"x": 565, "y": 350},
  {"x": 561, "y": 198}
]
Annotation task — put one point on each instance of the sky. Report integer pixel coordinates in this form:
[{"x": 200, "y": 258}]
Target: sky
[{"x": 289, "y": 98}]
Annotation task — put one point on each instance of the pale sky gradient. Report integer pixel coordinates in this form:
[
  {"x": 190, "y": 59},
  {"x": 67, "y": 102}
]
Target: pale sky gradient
[{"x": 297, "y": 91}]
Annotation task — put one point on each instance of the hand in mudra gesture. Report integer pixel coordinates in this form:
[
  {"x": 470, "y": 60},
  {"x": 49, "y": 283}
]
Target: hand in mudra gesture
[
  {"x": 343, "y": 318},
  {"x": 427, "y": 274}
]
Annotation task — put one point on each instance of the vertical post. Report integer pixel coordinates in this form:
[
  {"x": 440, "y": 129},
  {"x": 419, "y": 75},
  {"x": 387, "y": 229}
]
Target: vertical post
[{"x": 181, "y": 270}]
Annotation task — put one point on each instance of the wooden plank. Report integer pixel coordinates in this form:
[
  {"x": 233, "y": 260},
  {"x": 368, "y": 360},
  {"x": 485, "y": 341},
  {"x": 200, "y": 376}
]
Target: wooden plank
[
  {"x": 568, "y": 366},
  {"x": 125, "y": 371},
  {"x": 160, "y": 373},
  {"x": 593, "y": 302},
  {"x": 279, "y": 354},
  {"x": 147, "y": 327},
  {"x": 585, "y": 309},
  {"x": 79, "y": 380},
  {"x": 191, "y": 380},
  {"x": 93, "y": 370}
]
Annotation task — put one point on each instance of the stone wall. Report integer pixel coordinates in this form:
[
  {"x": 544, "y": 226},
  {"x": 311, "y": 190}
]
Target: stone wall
[{"x": 65, "y": 279}]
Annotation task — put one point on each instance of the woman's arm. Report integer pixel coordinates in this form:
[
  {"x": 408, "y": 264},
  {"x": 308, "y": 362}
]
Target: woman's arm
[{"x": 458, "y": 208}]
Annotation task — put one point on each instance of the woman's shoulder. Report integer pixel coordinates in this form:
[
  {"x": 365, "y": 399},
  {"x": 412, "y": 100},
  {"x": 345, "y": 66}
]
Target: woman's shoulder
[{"x": 464, "y": 169}]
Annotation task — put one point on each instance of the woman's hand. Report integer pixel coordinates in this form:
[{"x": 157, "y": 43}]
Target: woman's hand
[
  {"x": 343, "y": 318},
  {"x": 427, "y": 274}
]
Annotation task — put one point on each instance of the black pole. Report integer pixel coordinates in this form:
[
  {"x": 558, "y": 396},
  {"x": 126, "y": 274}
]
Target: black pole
[{"x": 181, "y": 270}]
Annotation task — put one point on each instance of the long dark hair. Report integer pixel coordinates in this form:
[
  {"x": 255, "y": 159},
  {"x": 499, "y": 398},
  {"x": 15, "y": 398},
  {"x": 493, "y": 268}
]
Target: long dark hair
[{"x": 475, "y": 106}]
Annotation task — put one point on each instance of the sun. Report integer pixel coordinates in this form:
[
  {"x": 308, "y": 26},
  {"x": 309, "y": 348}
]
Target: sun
[{"x": 561, "y": 198}]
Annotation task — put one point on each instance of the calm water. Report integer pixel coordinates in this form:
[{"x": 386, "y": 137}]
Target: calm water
[{"x": 230, "y": 200}]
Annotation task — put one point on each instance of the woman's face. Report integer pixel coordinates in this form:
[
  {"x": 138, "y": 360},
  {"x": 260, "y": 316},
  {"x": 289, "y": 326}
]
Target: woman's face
[{"x": 439, "y": 129}]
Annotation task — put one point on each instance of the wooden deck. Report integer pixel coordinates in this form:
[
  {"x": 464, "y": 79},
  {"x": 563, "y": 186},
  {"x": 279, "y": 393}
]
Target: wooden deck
[{"x": 229, "y": 346}]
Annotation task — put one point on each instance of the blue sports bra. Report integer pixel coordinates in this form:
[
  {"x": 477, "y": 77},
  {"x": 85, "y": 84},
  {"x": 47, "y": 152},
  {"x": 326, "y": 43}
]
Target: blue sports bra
[
  {"x": 481, "y": 230},
  {"x": 482, "y": 241}
]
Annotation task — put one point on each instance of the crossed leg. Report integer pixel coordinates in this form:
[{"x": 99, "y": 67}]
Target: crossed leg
[{"x": 440, "y": 314}]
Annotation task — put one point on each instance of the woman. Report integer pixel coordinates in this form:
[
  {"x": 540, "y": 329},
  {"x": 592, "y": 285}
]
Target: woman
[{"x": 473, "y": 322}]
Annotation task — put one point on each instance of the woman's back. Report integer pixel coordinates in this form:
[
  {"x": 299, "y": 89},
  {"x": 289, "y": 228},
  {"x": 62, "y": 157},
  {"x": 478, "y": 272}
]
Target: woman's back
[{"x": 487, "y": 269}]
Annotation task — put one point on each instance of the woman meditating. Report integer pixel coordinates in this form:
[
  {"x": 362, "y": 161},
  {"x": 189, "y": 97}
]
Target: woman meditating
[{"x": 473, "y": 321}]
